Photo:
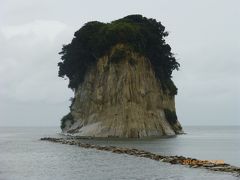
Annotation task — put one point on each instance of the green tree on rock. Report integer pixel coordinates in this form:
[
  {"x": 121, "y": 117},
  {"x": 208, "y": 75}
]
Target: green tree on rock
[{"x": 95, "y": 39}]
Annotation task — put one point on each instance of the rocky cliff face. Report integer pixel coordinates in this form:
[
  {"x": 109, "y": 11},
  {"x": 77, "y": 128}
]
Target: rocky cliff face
[{"x": 121, "y": 97}]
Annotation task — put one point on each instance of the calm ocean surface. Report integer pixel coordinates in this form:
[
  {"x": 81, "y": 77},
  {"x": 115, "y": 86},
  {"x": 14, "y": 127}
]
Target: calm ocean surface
[{"x": 23, "y": 156}]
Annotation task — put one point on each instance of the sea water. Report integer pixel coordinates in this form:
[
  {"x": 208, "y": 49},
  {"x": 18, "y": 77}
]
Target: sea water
[{"x": 24, "y": 157}]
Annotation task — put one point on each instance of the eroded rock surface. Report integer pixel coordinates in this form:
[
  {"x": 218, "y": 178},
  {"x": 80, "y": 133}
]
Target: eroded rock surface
[{"x": 121, "y": 97}]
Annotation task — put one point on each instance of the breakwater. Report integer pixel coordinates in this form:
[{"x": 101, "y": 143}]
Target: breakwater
[{"x": 181, "y": 160}]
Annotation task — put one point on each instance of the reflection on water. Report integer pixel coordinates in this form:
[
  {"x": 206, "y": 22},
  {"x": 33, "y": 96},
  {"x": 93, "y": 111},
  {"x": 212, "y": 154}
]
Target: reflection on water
[{"x": 23, "y": 156}]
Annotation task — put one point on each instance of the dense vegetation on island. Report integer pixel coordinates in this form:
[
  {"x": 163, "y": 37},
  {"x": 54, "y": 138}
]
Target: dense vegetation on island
[{"x": 95, "y": 39}]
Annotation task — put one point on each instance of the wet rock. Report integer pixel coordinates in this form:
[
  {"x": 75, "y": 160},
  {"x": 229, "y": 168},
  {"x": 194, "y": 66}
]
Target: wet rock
[
  {"x": 195, "y": 166},
  {"x": 208, "y": 165}
]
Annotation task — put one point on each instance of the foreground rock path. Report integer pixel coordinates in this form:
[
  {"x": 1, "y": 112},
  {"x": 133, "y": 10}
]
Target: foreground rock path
[{"x": 190, "y": 162}]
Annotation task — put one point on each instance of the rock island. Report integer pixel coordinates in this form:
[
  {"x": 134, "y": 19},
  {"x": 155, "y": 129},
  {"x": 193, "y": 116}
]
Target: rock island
[{"x": 120, "y": 73}]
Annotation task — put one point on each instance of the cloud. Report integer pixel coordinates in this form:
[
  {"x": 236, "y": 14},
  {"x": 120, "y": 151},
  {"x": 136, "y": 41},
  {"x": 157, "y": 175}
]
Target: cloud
[
  {"x": 39, "y": 29},
  {"x": 203, "y": 34},
  {"x": 29, "y": 61}
]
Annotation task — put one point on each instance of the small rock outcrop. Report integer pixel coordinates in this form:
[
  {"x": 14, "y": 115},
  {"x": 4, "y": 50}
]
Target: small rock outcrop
[{"x": 121, "y": 97}]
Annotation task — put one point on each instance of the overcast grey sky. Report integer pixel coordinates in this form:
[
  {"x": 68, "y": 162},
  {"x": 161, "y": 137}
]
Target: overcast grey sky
[{"x": 204, "y": 35}]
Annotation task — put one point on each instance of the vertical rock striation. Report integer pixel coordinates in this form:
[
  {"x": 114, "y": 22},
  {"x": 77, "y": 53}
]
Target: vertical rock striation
[{"x": 121, "y": 97}]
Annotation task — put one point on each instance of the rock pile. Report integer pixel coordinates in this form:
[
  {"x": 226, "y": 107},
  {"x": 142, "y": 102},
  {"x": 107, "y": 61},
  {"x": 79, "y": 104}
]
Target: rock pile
[{"x": 190, "y": 162}]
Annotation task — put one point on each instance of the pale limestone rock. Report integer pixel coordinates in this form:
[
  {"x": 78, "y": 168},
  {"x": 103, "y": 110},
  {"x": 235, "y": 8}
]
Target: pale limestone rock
[{"x": 122, "y": 99}]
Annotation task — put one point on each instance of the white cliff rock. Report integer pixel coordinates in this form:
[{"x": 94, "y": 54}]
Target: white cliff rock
[{"x": 121, "y": 99}]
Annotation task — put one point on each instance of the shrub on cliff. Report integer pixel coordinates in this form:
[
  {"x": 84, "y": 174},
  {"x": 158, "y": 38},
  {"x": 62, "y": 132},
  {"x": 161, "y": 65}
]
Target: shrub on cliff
[
  {"x": 95, "y": 39},
  {"x": 171, "y": 116},
  {"x": 65, "y": 118}
]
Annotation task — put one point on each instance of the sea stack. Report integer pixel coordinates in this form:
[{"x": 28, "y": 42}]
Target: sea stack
[{"x": 120, "y": 73}]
